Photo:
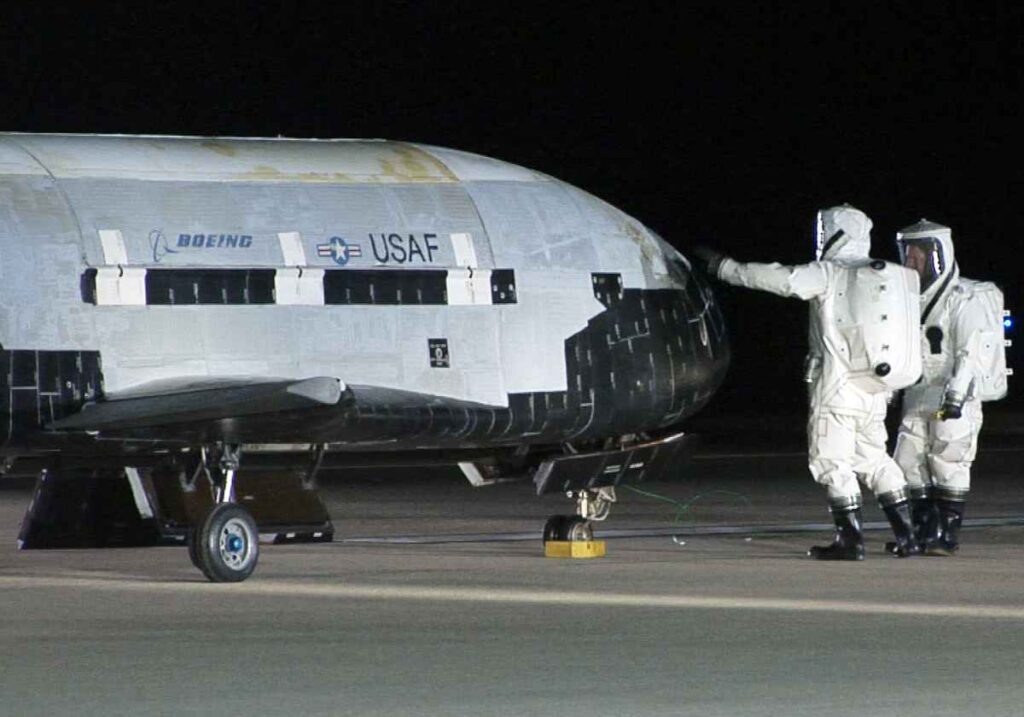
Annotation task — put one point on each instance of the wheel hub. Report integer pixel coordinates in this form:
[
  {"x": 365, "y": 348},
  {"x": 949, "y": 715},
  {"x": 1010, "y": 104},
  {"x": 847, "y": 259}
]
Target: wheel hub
[{"x": 235, "y": 544}]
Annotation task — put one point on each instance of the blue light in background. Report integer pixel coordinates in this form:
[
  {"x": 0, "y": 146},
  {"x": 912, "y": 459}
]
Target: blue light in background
[{"x": 1007, "y": 323}]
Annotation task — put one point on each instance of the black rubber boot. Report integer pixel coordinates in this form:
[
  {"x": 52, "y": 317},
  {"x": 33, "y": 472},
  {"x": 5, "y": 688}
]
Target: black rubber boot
[
  {"x": 847, "y": 541},
  {"x": 924, "y": 514},
  {"x": 924, "y": 517},
  {"x": 906, "y": 545},
  {"x": 951, "y": 515}
]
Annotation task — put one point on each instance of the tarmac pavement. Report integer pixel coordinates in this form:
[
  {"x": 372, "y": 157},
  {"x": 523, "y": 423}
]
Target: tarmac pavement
[{"x": 740, "y": 624}]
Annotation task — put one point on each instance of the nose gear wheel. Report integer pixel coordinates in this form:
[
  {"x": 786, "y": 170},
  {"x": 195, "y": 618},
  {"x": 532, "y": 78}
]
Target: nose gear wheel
[{"x": 568, "y": 527}]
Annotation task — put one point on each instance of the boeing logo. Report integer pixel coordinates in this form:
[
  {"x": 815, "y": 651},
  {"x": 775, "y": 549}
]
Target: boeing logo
[
  {"x": 161, "y": 247},
  {"x": 215, "y": 241},
  {"x": 158, "y": 243},
  {"x": 339, "y": 250}
]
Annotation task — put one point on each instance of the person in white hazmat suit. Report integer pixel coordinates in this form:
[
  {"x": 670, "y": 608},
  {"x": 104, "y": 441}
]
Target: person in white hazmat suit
[
  {"x": 962, "y": 345},
  {"x": 846, "y": 427}
]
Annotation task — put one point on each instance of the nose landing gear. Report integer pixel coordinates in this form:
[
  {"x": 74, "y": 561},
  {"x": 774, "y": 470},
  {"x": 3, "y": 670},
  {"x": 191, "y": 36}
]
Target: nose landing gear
[{"x": 591, "y": 506}]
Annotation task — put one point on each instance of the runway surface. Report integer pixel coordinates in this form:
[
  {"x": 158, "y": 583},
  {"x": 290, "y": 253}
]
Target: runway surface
[{"x": 740, "y": 623}]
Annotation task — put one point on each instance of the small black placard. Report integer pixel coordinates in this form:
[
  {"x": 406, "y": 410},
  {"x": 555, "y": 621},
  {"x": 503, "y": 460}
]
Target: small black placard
[{"x": 439, "y": 353}]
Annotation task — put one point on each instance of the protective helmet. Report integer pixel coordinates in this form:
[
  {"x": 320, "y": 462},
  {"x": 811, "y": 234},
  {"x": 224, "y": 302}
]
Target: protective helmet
[
  {"x": 842, "y": 234},
  {"x": 927, "y": 248}
]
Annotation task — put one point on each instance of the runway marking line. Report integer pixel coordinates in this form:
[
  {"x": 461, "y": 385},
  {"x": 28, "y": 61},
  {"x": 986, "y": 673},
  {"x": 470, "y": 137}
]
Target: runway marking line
[{"x": 278, "y": 588}]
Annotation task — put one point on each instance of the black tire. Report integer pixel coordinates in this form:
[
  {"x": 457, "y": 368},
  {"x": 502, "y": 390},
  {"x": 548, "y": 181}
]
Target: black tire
[
  {"x": 578, "y": 529},
  {"x": 227, "y": 545},
  {"x": 554, "y": 529},
  {"x": 193, "y": 541}
]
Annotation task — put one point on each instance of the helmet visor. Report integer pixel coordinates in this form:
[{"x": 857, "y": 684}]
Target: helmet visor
[{"x": 923, "y": 255}]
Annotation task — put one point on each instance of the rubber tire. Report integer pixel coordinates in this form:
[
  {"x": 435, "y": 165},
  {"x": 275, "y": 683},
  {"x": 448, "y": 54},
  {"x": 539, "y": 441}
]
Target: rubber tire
[
  {"x": 578, "y": 529},
  {"x": 208, "y": 554},
  {"x": 192, "y": 541},
  {"x": 554, "y": 529}
]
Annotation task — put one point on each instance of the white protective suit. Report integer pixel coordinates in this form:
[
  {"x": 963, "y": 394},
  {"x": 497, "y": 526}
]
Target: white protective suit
[
  {"x": 846, "y": 427},
  {"x": 934, "y": 453}
]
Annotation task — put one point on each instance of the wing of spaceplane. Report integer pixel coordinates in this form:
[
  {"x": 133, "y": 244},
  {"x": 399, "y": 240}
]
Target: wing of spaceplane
[
  {"x": 165, "y": 403},
  {"x": 317, "y": 410}
]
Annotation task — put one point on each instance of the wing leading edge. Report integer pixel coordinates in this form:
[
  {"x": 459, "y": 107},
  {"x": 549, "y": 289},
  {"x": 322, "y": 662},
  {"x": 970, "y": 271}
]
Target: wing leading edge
[
  {"x": 312, "y": 410},
  {"x": 201, "y": 400}
]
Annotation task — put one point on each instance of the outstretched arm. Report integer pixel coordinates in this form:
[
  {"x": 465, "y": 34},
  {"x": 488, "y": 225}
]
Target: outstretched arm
[{"x": 804, "y": 281}]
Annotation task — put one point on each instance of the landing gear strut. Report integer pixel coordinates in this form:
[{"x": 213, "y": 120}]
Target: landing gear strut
[
  {"x": 224, "y": 545},
  {"x": 591, "y": 506}
]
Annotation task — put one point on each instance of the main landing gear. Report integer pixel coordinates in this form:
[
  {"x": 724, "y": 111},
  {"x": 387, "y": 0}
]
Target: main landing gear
[
  {"x": 591, "y": 506},
  {"x": 224, "y": 544}
]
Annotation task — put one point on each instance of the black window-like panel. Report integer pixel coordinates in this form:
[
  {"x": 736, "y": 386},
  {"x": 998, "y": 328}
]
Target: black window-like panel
[
  {"x": 88, "y": 286},
  {"x": 345, "y": 287},
  {"x": 607, "y": 288},
  {"x": 23, "y": 368},
  {"x": 170, "y": 287},
  {"x": 49, "y": 374},
  {"x": 503, "y": 286},
  {"x": 429, "y": 288},
  {"x": 259, "y": 286},
  {"x": 209, "y": 286},
  {"x": 224, "y": 287},
  {"x": 386, "y": 287}
]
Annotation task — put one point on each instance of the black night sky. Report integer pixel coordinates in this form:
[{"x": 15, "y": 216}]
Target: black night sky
[{"x": 710, "y": 123}]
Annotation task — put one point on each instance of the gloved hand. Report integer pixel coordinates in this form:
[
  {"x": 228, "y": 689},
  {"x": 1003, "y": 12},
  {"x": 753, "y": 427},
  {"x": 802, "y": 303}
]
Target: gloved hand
[
  {"x": 952, "y": 408},
  {"x": 708, "y": 259}
]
